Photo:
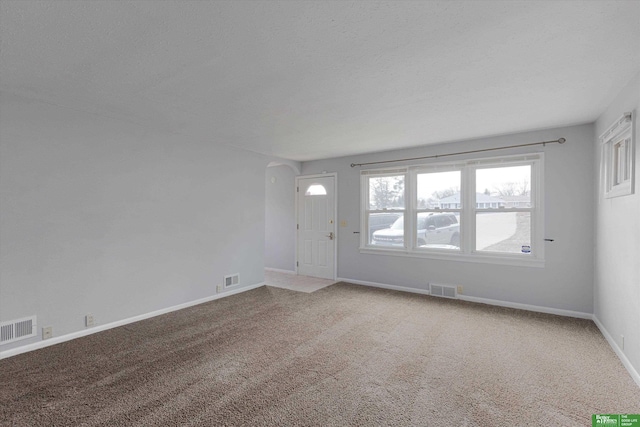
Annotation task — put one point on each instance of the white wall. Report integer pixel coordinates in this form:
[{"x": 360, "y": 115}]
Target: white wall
[
  {"x": 280, "y": 220},
  {"x": 106, "y": 217},
  {"x": 566, "y": 281},
  {"x": 617, "y": 284}
]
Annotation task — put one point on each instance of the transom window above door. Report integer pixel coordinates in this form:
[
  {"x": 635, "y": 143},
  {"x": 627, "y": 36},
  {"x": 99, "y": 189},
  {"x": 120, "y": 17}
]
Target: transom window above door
[{"x": 316, "y": 190}]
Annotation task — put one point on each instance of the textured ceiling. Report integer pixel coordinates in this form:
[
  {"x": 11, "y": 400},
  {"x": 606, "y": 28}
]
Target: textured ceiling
[{"x": 309, "y": 80}]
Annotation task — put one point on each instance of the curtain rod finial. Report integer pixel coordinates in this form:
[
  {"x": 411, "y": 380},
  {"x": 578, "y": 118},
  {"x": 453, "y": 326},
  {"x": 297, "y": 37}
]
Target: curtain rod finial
[
  {"x": 562, "y": 140},
  {"x": 353, "y": 165}
]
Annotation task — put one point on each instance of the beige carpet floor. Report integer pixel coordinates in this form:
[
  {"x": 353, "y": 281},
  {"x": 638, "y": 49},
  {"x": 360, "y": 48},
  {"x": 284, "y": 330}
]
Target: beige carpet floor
[{"x": 345, "y": 355}]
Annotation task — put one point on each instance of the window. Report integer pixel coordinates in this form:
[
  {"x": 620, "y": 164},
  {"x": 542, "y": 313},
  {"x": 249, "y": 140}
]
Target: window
[
  {"x": 481, "y": 210},
  {"x": 617, "y": 158},
  {"x": 498, "y": 229},
  {"x": 384, "y": 206},
  {"x": 437, "y": 191}
]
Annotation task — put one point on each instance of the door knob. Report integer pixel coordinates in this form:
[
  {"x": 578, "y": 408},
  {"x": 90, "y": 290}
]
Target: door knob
[{"x": 330, "y": 236}]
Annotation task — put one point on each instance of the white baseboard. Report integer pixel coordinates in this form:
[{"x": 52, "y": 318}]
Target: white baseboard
[
  {"x": 536, "y": 308},
  {"x": 277, "y": 270},
  {"x": 614, "y": 345},
  {"x": 68, "y": 337},
  {"x": 528, "y": 307}
]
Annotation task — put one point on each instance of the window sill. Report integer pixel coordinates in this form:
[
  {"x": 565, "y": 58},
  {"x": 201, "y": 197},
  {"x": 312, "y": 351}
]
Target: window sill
[
  {"x": 515, "y": 260},
  {"x": 623, "y": 189}
]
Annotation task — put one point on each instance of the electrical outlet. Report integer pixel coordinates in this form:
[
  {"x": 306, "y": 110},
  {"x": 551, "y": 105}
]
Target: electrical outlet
[
  {"x": 88, "y": 320},
  {"x": 460, "y": 289},
  {"x": 47, "y": 332},
  {"x": 219, "y": 288}
]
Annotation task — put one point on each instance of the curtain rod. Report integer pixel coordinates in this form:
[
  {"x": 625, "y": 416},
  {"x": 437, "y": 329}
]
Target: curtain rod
[{"x": 543, "y": 143}]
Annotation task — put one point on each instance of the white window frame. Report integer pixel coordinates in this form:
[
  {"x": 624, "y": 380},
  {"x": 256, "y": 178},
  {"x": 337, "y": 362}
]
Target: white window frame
[
  {"x": 468, "y": 211},
  {"x": 365, "y": 199},
  {"x": 412, "y": 197},
  {"x": 618, "y": 158}
]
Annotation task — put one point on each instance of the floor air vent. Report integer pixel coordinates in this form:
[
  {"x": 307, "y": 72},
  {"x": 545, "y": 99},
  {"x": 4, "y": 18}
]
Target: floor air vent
[
  {"x": 442, "y": 291},
  {"x": 231, "y": 280},
  {"x": 19, "y": 329}
]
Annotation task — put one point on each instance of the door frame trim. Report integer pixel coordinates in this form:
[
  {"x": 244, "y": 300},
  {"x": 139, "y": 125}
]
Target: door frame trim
[{"x": 335, "y": 216}]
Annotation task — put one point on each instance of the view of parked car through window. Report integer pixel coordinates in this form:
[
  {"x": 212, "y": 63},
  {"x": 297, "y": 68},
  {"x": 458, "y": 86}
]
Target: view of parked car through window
[
  {"x": 441, "y": 229},
  {"x": 382, "y": 220}
]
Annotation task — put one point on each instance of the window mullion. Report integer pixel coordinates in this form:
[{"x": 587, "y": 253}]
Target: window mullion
[
  {"x": 411, "y": 197},
  {"x": 468, "y": 210}
]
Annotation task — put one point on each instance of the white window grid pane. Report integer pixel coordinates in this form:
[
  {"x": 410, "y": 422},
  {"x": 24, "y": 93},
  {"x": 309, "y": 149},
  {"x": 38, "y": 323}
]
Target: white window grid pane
[{"x": 391, "y": 190}]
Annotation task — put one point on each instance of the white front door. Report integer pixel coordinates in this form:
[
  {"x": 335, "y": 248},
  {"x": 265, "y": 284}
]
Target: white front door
[{"x": 316, "y": 226}]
